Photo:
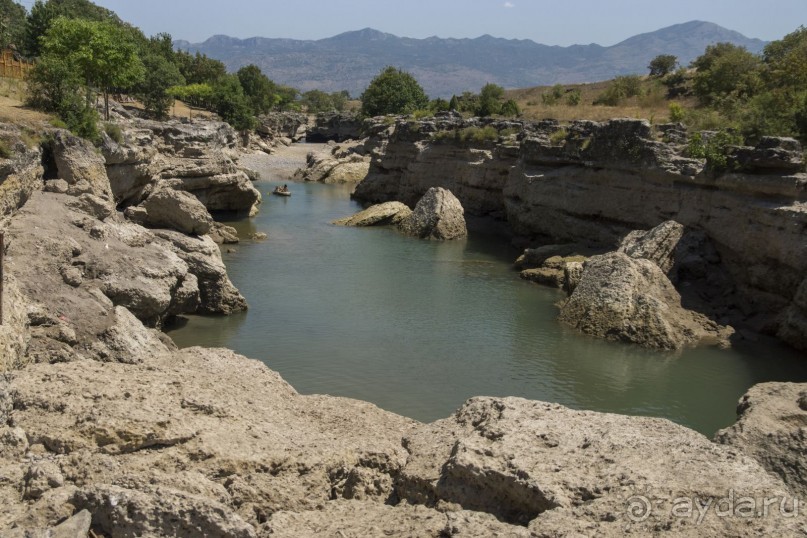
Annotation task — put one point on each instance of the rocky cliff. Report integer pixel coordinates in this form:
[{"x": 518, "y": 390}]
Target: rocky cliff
[{"x": 593, "y": 183}]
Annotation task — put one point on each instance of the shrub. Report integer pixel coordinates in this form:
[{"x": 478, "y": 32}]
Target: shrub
[
  {"x": 5, "y": 150},
  {"x": 552, "y": 97},
  {"x": 713, "y": 148},
  {"x": 574, "y": 97},
  {"x": 510, "y": 108},
  {"x": 622, "y": 87},
  {"x": 662, "y": 65},
  {"x": 114, "y": 132},
  {"x": 676, "y": 112},
  {"x": 558, "y": 137},
  {"x": 393, "y": 92}
]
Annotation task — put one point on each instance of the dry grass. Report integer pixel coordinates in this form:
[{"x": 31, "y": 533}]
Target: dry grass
[{"x": 652, "y": 105}]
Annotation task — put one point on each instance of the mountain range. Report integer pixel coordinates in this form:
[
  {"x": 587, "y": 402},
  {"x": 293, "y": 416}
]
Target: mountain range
[{"x": 349, "y": 61}]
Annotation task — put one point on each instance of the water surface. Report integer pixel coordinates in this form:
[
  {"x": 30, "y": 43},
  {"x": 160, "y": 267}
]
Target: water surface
[{"x": 417, "y": 327}]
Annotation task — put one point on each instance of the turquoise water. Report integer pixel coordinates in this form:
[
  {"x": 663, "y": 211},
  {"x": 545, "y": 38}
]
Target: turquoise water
[{"x": 417, "y": 327}]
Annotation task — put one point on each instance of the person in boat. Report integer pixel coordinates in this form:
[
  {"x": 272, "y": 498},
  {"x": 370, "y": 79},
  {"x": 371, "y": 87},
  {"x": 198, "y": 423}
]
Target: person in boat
[{"x": 285, "y": 188}]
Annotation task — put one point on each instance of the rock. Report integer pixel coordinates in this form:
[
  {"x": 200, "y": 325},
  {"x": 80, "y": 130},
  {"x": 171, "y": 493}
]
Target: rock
[
  {"x": 631, "y": 300},
  {"x": 77, "y": 161},
  {"x": 335, "y": 126},
  {"x": 572, "y": 273},
  {"x": 99, "y": 208},
  {"x": 336, "y": 164},
  {"x": 276, "y": 125},
  {"x": 771, "y": 423},
  {"x": 20, "y": 174},
  {"x": 438, "y": 215},
  {"x": 77, "y": 526},
  {"x": 771, "y": 154},
  {"x": 136, "y": 214},
  {"x": 533, "y": 258},
  {"x": 222, "y": 234},
  {"x": 217, "y": 295},
  {"x": 177, "y": 210},
  {"x": 162, "y": 512},
  {"x": 563, "y": 472},
  {"x": 552, "y": 271},
  {"x": 131, "y": 431},
  {"x": 258, "y": 236},
  {"x": 657, "y": 245},
  {"x": 793, "y": 325},
  {"x": 56, "y": 185},
  {"x": 41, "y": 477},
  {"x": 378, "y": 215},
  {"x": 350, "y": 518}
]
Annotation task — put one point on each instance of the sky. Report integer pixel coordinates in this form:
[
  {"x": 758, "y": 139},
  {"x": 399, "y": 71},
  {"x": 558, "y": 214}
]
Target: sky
[{"x": 550, "y": 22}]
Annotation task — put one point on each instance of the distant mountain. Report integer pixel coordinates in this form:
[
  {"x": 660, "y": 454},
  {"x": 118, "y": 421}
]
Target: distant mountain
[{"x": 450, "y": 66}]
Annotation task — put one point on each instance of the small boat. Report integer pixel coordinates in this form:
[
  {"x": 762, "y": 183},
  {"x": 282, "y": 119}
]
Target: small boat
[{"x": 280, "y": 191}]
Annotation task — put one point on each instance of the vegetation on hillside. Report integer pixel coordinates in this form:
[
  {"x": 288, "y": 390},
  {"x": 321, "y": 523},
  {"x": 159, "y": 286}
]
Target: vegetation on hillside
[{"x": 393, "y": 91}]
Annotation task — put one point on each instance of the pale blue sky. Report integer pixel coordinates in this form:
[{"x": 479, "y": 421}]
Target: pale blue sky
[{"x": 552, "y": 22}]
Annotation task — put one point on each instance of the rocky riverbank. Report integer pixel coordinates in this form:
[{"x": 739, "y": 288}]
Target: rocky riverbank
[
  {"x": 104, "y": 424},
  {"x": 591, "y": 184}
]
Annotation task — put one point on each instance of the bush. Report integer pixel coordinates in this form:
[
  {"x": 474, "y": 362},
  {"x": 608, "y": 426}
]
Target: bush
[
  {"x": 662, "y": 65},
  {"x": 510, "y": 109},
  {"x": 713, "y": 148},
  {"x": 558, "y": 137},
  {"x": 552, "y": 97},
  {"x": 114, "y": 132},
  {"x": 676, "y": 112},
  {"x": 393, "y": 92},
  {"x": 574, "y": 97},
  {"x": 622, "y": 87},
  {"x": 5, "y": 150}
]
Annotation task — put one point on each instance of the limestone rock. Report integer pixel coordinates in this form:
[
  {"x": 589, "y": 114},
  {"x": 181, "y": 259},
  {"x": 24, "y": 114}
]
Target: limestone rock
[
  {"x": 177, "y": 210},
  {"x": 77, "y": 161},
  {"x": 335, "y": 126},
  {"x": 217, "y": 294},
  {"x": 222, "y": 234},
  {"x": 572, "y": 273},
  {"x": 772, "y": 418},
  {"x": 533, "y": 258},
  {"x": 56, "y": 185},
  {"x": 438, "y": 215},
  {"x": 350, "y": 518},
  {"x": 631, "y": 300},
  {"x": 335, "y": 164},
  {"x": 77, "y": 526},
  {"x": 162, "y": 512},
  {"x": 565, "y": 472},
  {"x": 771, "y": 154},
  {"x": 20, "y": 174},
  {"x": 657, "y": 245},
  {"x": 552, "y": 271},
  {"x": 276, "y": 125},
  {"x": 377, "y": 215},
  {"x": 95, "y": 206}
]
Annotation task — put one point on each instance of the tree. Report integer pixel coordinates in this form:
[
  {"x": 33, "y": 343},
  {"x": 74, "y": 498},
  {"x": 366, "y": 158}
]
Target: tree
[
  {"x": 232, "y": 104},
  {"x": 454, "y": 103},
  {"x": 12, "y": 24},
  {"x": 43, "y": 14},
  {"x": 198, "y": 68},
  {"x": 393, "y": 92},
  {"x": 786, "y": 60},
  {"x": 490, "y": 100},
  {"x": 662, "y": 65},
  {"x": 161, "y": 75},
  {"x": 510, "y": 109},
  {"x": 726, "y": 70},
  {"x": 101, "y": 52},
  {"x": 259, "y": 90}
]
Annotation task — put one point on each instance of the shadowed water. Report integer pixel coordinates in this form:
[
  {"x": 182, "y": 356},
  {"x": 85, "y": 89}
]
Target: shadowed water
[{"x": 417, "y": 327}]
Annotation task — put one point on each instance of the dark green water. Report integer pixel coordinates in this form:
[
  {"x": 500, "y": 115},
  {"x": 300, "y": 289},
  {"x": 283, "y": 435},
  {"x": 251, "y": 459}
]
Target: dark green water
[{"x": 417, "y": 327}]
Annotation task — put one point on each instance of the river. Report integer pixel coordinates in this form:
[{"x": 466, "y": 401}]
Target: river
[{"x": 417, "y": 327}]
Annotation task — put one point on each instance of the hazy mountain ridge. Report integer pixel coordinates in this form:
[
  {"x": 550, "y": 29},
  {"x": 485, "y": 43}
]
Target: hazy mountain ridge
[{"x": 448, "y": 66}]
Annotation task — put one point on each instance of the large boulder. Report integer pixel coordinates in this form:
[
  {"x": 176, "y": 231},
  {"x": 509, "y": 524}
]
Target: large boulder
[
  {"x": 771, "y": 155},
  {"x": 632, "y": 300},
  {"x": 657, "y": 245},
  {"x": 562, "y": 472},
  {"x": 438, "y": 215},
  {"x": 378, "y": 215},
  {"x": 793, "y": 324},
  {"x": 178, "y": 210},
  {"x": 335, "y": 126},
  {"x": 771, "y": 428},
  {"x": 78, "y": 161},
  {"x": 20, "y": 173}
]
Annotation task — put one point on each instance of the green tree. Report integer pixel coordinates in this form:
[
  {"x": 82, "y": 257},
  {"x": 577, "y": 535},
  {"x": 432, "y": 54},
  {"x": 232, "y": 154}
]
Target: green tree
[
  {"x": 12, "y": 24},
  {"x": 454, "y": 103},
  {"x": 393, "y": 92},
  {"x": 439, "y": 105},
  {"x": 726, "y": 70},
  {"x": 259, "y": 90},
  {"x": 232, "y": 104},
  {"x": 662, "y": 65},
  {"x": 101, "y": 52},
  {"x": 161, "y": 75},
  {"x": 786, "y": 61},
  {"x": 43, "y": 14},
  {"x": 198, "y": 68},
  {"x": 490, "y": 100},
  {"x": 317, "y": 101}
]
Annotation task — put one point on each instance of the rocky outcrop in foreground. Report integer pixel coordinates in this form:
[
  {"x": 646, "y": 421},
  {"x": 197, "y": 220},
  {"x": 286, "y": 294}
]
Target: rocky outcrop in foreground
[
  {"x": 771, "y": 428},
  {"x": 342, "y": 163}
]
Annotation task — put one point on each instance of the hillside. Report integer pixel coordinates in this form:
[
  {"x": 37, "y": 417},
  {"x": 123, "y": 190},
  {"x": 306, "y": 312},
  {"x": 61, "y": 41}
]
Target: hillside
[{"x": 450, "y": 66}]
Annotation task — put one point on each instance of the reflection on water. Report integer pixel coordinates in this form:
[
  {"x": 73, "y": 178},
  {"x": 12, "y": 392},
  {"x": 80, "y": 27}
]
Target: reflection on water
[{"x": 417, "y": 327}]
